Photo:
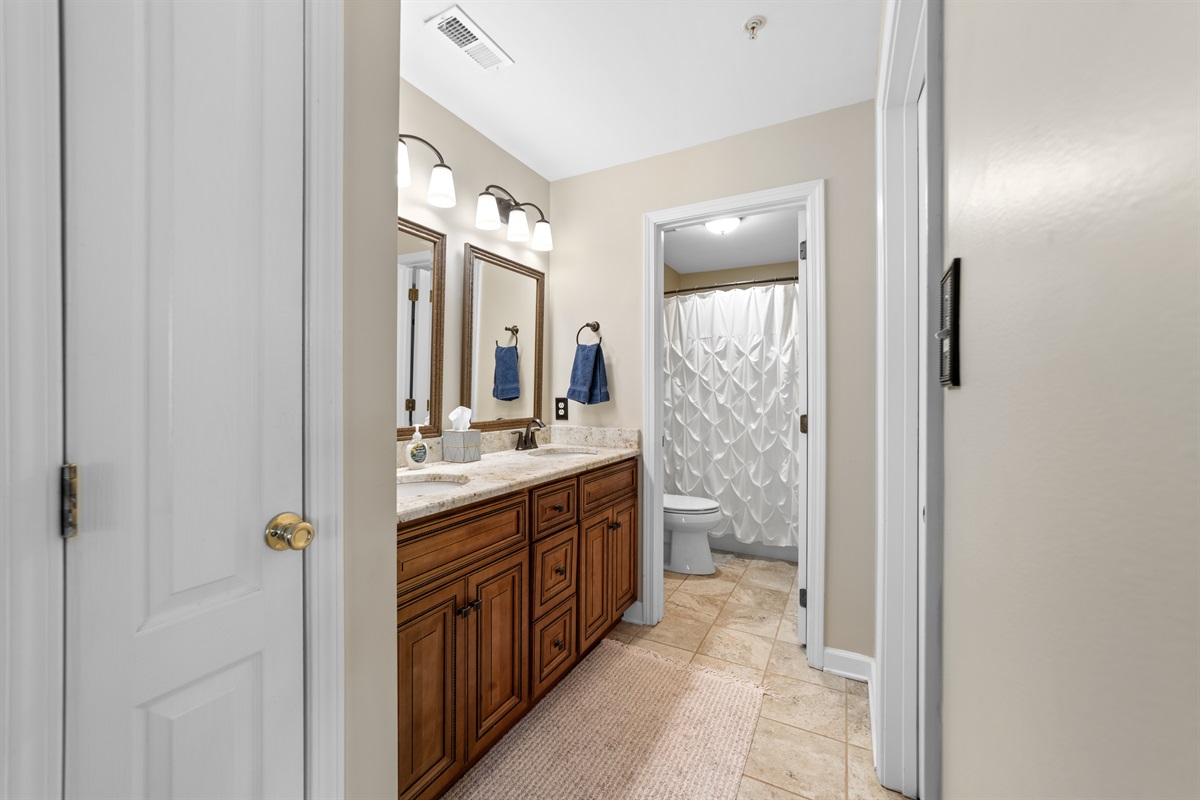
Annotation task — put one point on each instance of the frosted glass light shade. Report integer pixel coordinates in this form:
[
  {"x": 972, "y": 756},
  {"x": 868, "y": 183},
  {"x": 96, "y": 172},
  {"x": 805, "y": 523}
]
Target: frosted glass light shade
[
  {"x": 487, "y": 213},
  {"x": 542, "y": 240},
  {"x": 441, "y": 187},
  {"x": 518, "y": 226},
  {"x": 403, "y": 174},
  {"x": 723, "y": 226}
]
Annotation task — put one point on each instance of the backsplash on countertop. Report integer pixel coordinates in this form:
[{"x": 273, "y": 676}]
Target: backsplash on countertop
[
  {"x": 595, "y": 437},
  {"x": 499, "y": 441}
]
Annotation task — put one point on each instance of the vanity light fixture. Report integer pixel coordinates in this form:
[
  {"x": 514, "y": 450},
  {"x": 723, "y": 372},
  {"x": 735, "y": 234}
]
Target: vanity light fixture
[
  {"x": 492, "y": 211},
  {"x": 723, "y": 226},
  {"x": 441, "y": 180}
]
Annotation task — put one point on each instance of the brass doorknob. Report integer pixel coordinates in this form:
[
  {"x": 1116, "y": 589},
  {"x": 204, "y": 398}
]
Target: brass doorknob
[{"x": 288, "y": 531}]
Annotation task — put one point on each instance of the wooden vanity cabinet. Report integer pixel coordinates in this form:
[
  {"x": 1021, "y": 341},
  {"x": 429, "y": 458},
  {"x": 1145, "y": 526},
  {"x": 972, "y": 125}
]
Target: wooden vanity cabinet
[
  {"x": 497, "y": 650},
  {"x": 429, "y": 647},
  {"x": 462, "y": 643},
  {"x": 496, "y": 602},
  {"x": 608, "y": 564},
  {"x": 555, "y": 569}
]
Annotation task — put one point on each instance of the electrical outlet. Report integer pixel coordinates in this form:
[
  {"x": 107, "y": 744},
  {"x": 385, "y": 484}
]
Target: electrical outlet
[{"x": 560, "y": 408}]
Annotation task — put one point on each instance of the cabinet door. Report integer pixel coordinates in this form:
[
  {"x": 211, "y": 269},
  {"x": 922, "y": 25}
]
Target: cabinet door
[
  {"x": 555, "y": 571},
  {"x": 428, "y": 641},
  {"x": 622, "y": 553},
  {"x": 594, "y": 586},
  {"x": 497, "y": 649},
  {"x": 553, "y": 646}
]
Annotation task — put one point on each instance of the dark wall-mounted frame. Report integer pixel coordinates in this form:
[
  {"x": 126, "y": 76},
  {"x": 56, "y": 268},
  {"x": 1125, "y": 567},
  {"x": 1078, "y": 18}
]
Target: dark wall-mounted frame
[
  {"x": 438, "y": 322},
  {"x": 470, "y": 256},
  {"x": 947, "y": 334}
]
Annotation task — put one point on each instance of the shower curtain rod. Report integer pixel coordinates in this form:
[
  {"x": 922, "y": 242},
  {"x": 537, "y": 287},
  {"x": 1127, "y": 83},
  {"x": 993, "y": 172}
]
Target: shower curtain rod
[{"x": 732, "y": 283}]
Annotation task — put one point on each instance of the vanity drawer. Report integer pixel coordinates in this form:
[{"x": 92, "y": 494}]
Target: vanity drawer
[
  {"x": 555, "y": 561},
  {"x": 428, "y": 550},
  {"x": 606, "y": 486},
  {"x": 554, "y": 506},
  {"x": 553, "y": 647}
]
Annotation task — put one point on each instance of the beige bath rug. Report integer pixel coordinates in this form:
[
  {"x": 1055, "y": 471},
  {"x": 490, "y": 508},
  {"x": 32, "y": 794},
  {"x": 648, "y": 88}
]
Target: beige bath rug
[{"x": 626, "y": 723}]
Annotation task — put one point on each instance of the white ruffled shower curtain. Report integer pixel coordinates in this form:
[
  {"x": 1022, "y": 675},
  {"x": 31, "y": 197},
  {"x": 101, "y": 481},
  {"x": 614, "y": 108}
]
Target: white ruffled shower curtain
[{"x": 732, "y": 414}]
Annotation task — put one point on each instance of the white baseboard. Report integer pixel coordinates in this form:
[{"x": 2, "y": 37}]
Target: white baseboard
[
  {"x": 857, "y": 667},
  {"x": 849, "y": 665}
]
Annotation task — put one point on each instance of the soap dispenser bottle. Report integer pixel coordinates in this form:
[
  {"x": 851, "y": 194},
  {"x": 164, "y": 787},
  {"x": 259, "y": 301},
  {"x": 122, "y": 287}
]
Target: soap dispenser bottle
[{"x": 417, "y": 451}]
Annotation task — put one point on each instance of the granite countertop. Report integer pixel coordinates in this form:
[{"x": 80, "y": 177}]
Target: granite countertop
[{"x": 498, "y": 474}]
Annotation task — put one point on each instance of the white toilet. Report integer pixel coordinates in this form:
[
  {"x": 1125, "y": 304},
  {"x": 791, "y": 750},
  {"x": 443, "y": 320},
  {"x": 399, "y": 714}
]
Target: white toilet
[{"x": 686, "y": 522}]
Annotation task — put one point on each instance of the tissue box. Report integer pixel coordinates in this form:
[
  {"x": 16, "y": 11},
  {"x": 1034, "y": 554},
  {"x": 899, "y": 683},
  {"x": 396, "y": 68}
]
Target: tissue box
[{"x": 461, "y": 446}]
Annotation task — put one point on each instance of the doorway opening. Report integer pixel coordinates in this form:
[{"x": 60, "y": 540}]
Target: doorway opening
[
  {"x": 735, "y": 395},
  {"x": 804, "y": 203}
]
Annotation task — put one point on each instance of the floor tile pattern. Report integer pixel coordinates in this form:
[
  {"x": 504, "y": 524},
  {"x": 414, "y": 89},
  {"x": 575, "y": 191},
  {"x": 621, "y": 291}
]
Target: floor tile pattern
[{"x": 813, "y": 739}]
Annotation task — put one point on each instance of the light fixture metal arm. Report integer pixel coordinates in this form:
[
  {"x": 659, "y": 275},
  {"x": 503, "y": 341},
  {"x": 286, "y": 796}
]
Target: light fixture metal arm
[
  {"x": 491, "y": 186},
  {"x": 541, "y": 215},
  {"x": 403, "y": 136}
]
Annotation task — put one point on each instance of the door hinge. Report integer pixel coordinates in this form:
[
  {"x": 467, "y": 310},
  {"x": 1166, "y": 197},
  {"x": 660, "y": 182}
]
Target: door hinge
[
  {"x": 410, "y": 404},
  {"x": 69, "y": 522},
  {"x": 804, "y": 598},
  {"x": 414, "y": 295},
  {"x": 804, "y": 423}
]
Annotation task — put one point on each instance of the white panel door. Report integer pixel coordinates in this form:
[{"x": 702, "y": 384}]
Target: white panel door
[{"x": 183, "y": 125}]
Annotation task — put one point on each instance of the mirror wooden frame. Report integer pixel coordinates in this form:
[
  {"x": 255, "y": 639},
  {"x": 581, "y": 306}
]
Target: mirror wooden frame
[
  {"x": 438, "y": 325},
  {"x": 470, "y": 255}
]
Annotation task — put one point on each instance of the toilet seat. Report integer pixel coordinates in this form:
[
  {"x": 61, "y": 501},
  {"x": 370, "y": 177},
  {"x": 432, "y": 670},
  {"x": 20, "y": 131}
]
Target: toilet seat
[{"x": 684, "y": 504}]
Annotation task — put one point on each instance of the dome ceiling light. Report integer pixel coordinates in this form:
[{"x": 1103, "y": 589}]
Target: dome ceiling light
[{"x": 723, "y": 226}]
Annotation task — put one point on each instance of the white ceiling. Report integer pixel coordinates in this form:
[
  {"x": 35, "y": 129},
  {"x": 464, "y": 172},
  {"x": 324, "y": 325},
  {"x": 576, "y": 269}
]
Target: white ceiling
[
  {"x": 597, "y": 83},
  {"x": 761, "y": 239}
]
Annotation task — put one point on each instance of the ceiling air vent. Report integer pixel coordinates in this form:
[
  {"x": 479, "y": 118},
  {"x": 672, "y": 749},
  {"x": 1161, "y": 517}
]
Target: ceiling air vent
[{"x": 469, "y": 38}]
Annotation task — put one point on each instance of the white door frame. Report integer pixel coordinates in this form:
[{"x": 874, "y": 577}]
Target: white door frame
[
  {"x": 323, "y": 469},
  {"x": 811, "y": 197},
  {"x": 906, "y": 687},
  {"x": 31, "y": 411}
]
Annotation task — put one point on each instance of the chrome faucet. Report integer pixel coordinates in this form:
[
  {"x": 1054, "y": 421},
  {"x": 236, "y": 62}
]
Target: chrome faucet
[{"x": 526, "y": 440}]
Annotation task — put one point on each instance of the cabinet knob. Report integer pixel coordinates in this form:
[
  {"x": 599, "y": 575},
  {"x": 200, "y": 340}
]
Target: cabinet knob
[
  {"x": 612, "y": 526},
  {"x": 560, "y": 570},
  {"x": 559, "y": 507},
  {"x": 560, "y": 644}
]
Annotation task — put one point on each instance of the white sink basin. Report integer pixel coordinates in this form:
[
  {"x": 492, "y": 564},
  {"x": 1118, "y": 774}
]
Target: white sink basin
[
  {"x": 563, "y": 452},
  {"x": 417, "y": 485}
]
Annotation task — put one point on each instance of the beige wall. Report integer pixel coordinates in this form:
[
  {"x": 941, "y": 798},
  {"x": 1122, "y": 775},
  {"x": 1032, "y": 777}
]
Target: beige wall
[
  {"x": 372, "y": 53},
  {"x": 689, "y": 280},
  {"x": 1072, "y": 608},
  {"x": 476, "y": 162},
  {"x": 671, "y": 278},
  {"x": 597, "y": 275}
]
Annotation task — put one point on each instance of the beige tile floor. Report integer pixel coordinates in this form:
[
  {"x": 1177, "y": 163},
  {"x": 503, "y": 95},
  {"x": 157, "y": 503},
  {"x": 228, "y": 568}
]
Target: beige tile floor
[{"x": 813, "y": 738}]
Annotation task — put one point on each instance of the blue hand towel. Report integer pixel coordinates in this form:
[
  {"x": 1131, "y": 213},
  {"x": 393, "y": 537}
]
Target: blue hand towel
[
  {"x": 506, "y": 384},
  {"x": 589, "y": 380}
]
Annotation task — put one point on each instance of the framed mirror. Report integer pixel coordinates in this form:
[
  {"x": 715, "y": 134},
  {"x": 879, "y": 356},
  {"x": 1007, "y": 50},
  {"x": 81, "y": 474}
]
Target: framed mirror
[
  {"x": 502, "y": 340},
  {"x": 420, "y": 315}
]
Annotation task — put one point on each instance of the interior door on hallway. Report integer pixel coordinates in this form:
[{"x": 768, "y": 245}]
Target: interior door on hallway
[{"x": 184, "y": 360}]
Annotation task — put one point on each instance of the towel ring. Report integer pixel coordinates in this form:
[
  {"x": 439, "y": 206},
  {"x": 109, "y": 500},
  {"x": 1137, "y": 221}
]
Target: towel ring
[
  {"x": 595, "y": 326},
  {"x": 514, "y": 330}
]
